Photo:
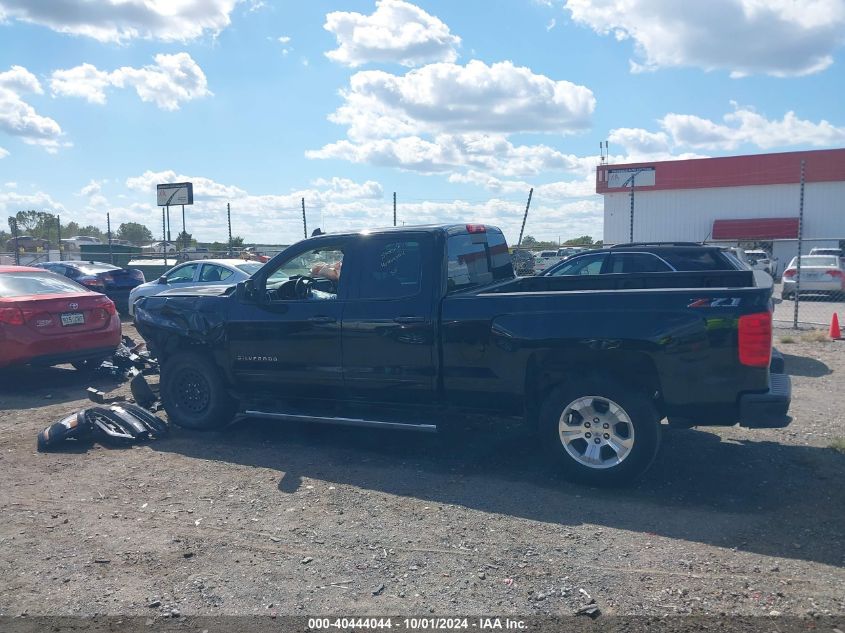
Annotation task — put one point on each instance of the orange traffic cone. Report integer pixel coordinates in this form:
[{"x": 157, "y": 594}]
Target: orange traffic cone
[{"x": 834, "y": 327}]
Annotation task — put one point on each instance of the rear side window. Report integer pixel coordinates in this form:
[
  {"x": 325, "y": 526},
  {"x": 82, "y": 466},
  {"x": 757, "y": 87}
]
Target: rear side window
[
  {"x": 477, "y": 259},
  {"x": 701, "y": 260},
  {"x": 391, "y": 269},
  {"x": 637, "y": 263},
  {"x": 25, "y": 284}
]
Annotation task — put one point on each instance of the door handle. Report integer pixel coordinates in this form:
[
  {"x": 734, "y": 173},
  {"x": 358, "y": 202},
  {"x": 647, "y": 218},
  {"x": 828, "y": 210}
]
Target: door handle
[
  {"x": 408, "y": 319},
  {"x": 322, "y": 319}
]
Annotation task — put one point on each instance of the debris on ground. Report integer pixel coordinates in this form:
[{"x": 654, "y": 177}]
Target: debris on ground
[
  {"x": 113, "y": 425},
  {"x": 128, "y": 360}
]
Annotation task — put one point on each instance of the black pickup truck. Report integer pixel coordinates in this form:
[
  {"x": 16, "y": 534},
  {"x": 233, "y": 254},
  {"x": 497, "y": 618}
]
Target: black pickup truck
[{"x": 421, "y": 327}]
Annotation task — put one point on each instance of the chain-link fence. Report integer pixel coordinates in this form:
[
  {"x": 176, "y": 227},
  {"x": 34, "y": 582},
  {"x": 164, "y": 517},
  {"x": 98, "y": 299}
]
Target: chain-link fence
[{"x": 766, "y": 207}]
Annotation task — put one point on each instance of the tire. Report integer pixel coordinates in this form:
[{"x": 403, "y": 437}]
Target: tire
[
  {"x": 629, "y": 426},
  {"x": 194, "y": 394}
]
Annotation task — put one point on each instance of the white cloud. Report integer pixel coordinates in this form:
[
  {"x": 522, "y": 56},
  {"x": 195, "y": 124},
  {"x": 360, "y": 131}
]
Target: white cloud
[
  {"x": 284, "y": 40},
  {"x": 92, "y": 188},
  {"x": 746, "y": 126},
  {"x": 12, "y": 201},
  {"x": 493, "y": 153},
  {"x": 451, "y": 98},
  {"x": 19, "y": 79},
  {"x": 639, "y": 141},
  {"x": 170, "y": 81},
  {"x": 552, "y": 24},
  {"x": 123, "y": 20},
  {"x": 775, "y": 37},
  {"x": 19, "y": 118},
  {"x": 397, "y": 32},
  {"x": 3, "y": 153}
]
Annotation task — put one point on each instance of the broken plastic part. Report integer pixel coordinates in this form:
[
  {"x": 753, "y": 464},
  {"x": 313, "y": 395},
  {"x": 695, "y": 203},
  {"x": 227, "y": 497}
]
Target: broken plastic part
[
  {"x": 72, "y": 425},
  {"x": 141, "y": 391}
]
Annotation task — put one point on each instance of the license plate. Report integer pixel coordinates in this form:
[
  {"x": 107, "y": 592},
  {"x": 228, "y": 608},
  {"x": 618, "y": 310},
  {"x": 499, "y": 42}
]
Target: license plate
[
  {"x": 811, "y": 275},
  {"x": 73, "y": 318}
]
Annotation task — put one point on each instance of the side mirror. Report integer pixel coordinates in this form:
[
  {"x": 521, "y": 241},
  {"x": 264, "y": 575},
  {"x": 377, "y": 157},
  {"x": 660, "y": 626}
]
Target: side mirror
[{"x": 162, "y": 280}]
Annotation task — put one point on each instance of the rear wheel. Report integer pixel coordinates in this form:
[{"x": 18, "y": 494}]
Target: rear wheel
[
  {"x": 600, "y": 432},
  {"x": 194, "y": 394}
]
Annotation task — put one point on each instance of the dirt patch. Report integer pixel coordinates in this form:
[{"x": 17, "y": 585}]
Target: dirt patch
[{"x": 268, "y": 517}]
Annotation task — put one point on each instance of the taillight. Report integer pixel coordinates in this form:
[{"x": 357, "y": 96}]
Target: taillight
[
  {"x": 137, "y": 275},
  {"x": 11, "y": 316},
  {"x": 107, "y": 305},
  {"x": 789, "y": 273},
  {"x": 476, "y": 228},
  {"x": 835, "y": 273},
  {"x": 94, "y": 283},
  {"x": 755, "y": 339}
]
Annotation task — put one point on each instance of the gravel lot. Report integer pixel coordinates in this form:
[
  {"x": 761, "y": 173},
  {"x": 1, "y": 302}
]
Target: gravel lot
[{"x": 266, "y": 518}]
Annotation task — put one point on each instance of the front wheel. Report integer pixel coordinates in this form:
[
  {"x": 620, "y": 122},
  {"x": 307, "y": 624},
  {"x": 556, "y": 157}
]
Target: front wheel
[
  {"x": 194, "y": 394},
  {"x": 600, "y": 432}
]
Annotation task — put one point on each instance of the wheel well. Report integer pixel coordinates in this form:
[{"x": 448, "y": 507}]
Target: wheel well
[{"x": 628, "y": 368}]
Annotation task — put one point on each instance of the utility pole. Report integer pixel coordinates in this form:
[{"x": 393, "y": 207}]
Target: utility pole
[
  {"x": 304, "y": 223},
  {"x": 229, "y": 220},
  {"x": 800, "y": 243},
  {"x": 394, "y": 208},
  {"x": 108, "y": 234},
  {"x": 184, "y": 231},
  {"x": 525, "y": 217},
  {"x": 59, "y": 235},
  {"x": 631, "y": 229},
  {"x": 164, "y": 235}
]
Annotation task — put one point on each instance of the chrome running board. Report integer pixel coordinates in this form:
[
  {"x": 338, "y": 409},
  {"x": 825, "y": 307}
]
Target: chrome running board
[{"x": 360, "y": 422}]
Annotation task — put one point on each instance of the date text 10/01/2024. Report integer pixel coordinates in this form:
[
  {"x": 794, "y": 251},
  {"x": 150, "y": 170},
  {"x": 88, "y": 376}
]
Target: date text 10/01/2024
[{"x": 415, "y": 624}]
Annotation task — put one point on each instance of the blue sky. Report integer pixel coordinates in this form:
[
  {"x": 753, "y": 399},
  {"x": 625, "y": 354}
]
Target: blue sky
[{"x": 459, "y": 107}]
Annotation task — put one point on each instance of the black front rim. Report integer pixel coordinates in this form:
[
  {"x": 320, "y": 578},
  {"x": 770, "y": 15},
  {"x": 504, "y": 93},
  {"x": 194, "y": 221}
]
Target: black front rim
[{"x": 192, "y": 391}]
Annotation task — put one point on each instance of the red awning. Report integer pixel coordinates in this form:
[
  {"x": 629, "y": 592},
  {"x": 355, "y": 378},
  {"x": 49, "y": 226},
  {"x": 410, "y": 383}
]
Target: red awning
[{"x": 756, "y": 229}]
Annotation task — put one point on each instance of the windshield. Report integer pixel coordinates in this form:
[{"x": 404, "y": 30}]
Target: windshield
[
  {"x": 325, "y": 263},
  {"x": 26, "y": 284}
]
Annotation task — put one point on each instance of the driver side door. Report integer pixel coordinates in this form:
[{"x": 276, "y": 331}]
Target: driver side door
[{"x": 285, "y": 345}]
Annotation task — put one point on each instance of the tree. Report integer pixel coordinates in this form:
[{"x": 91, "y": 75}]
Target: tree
[
  {"x": 185, "y": 238},
  {"x": 134, "y": 232},
  {"x": 528, "y": 241},
  {"x": 584, "y": 240},
  {"x": 237, "y": 241},
  {"x": 91, "y": 231}
]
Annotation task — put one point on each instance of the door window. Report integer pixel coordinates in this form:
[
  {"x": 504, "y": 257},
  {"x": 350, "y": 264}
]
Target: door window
[
  {"x": 476, "y": 259},
  {"x": 391, "y": 269},
  {"x": 324, "y": 267},
  {"x": 585, "y": 265},
  {"x": 182, "y": 274}
]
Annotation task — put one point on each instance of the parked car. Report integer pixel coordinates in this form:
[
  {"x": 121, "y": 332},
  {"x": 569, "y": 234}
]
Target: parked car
[
  {"x": 194, "y": 252},
  {"x": 207, "y": 272},
  {"x": 46, "y": 319},
  {"x": 113, "y": 281},
  {"x": 27, "y": 243},
  {"x": 760, "y": 260},
  {"x": 159, "y": 247},
  {"x": 645, "y": 258},
  {"x": 836, "y": 252},
  {"x": 78, "y": 240},
  {"x": 820, "y": 274},
  {"x": 418, "y": 327}
]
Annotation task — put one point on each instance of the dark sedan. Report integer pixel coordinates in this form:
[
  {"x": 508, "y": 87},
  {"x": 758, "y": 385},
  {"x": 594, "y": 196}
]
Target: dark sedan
[{"x": 114, "y": 282}]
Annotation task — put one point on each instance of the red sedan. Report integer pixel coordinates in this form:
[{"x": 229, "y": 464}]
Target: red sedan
[{"x": 46, "y": 319}]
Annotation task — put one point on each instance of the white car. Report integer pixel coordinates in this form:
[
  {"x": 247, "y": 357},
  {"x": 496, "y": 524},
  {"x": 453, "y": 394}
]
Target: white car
[
  {"x": 195, "y": 273},
  {"x": 159, "y": 247},
  {"x": 546, "y": 259},
  {"x": 820, "y": 274},
  {"x": 760, "y": 260}
]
